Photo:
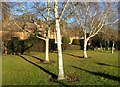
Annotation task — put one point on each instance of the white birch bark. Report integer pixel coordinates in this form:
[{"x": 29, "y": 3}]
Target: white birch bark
[
  {"x": 108, "y": 45},
  {"x": 113, "y": 47},
  {"x": 47, "y": 50},
  {"x": 101, "y": 47},
  {"x": 85, "y": 45},
  {"x": 48, "y": 33},
  {"x": 61, "y": 72},
  {"x": 88, "y": 22}
]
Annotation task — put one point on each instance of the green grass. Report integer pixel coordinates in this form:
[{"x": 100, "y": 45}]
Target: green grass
[{"x": 99, "y": 69}]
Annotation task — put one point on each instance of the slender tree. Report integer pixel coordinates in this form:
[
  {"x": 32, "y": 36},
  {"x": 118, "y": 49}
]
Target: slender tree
[
  {"x": 92, "y": 18},
  {"x": 48, "y": 31},
  {"x": 38, "y": 27},
  {"x": 58, "y": 18},
  {"x": 113, "y": 34},
  {"x": 46, "y": 15}
]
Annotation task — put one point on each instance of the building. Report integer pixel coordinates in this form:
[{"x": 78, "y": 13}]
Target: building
[{"x": 11, "y": 30}]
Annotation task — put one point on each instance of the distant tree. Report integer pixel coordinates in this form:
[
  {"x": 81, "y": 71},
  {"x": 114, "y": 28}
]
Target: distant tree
[
  {"x": 113, "y": 34},
  {"x": 57, "y": 21}
]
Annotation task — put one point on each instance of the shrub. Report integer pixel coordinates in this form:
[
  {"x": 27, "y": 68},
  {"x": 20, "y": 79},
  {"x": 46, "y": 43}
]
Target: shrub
[
  {"x": 17, "y": 46},
  {"x": 64, "y": 46},
  {"x": 52, "y": 45},
  {"x": 73, "y": 47},
  {"x": 81, "y": 43},
  {"x": 118, "y": 45},
  {"x": 24, "y": 46},
  {"x": 65, "y": 40},
  {"x": 13, "y": 46},
  {"x": 38, "y": 45},
  {"x": 76, "y": 42}
]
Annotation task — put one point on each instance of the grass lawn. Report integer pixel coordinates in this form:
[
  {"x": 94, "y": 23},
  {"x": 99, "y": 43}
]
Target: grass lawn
[{"x": 99, "y": 69}]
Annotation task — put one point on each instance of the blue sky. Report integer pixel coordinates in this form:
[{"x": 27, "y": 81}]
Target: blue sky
[
  {"x": 30, "y": 9},
  {"x": 62, "y": 0}
]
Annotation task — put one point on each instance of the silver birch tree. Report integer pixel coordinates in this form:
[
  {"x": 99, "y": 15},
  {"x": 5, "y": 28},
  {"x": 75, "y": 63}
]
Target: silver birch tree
[
  {"x": 92, "y": 19},
  {"x": 57, "y": 21},
  {"x": 39, "y": 28},
  {"x": 58, "y": 18},
  {"x": 48, "y": 32}
]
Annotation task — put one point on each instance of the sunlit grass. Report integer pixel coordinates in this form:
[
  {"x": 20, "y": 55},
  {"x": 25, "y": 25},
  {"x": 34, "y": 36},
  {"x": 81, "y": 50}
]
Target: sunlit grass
[{"x": 99, "y": 69}]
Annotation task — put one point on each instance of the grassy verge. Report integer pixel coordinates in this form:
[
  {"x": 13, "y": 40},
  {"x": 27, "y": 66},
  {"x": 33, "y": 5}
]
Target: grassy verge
[{"x": 99, "y": 69}]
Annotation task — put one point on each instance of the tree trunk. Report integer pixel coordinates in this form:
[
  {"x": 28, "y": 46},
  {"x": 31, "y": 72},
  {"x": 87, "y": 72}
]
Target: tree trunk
[
  {"x": 105, "y": 45},
  {"x": 113, "y": 47},
  {"x": 85, "y": 48},
  {"x": 61, "y": 72},
  {"x": 47, "y": 50},
  {"x": 48, "y": 32},
  {"x": 85, "y": 45},
  {"x": 101, "y": 47},
  {"x": 108, "y": 45}
]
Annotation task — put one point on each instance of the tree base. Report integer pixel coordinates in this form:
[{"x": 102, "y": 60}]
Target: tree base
[
  {"x": 69, "y": 78},
  {"x": 47, "y": 60},
  {"x": 85, "y": 56},
  {"x": 60, "y": 78}
]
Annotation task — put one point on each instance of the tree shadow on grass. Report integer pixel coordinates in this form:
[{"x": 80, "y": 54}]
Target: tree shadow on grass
[
  {"x": 107, "y": 65},
  {"x": 53, "y": 76},
  {"x": 100, "y": 74},
  {"x": 43, "y": 69},
  {"x": 40, "y": 60},
  {"x": 77, "y": 56}
]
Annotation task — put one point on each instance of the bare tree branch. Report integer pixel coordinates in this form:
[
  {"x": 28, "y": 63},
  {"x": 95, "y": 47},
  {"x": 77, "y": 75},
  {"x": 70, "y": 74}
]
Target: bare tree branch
[
  {"x": 28, "y": 31},
  {"x": 63, "y": 9}
]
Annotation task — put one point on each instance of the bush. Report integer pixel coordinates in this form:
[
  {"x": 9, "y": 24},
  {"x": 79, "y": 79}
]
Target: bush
[
  {"x": 52, "y": 45},
  {"x": 73, "y": 47},
  {"x": 81, "y": 43},
  {"x": 64, "y": 46},
  {"x": 65, "y": 40},
  {"x": 76, "y": 42},
  {"x": 24, "y": 46},
  {"x": 13, "y": 46},
  {"x": 17, "y": 46},
  {"x": 118, "y": 45},
  {"x": 38, "y": 45}
]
